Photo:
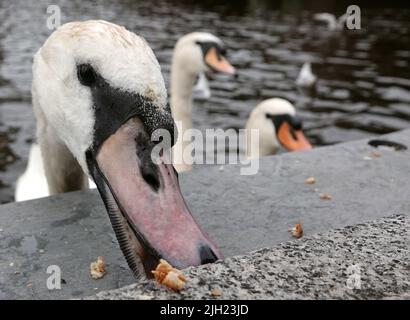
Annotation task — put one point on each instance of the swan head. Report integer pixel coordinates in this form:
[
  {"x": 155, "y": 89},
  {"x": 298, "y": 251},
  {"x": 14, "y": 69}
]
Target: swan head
[
  {"x": 199, "y": 52},
  {"x": 278, "y": 126},
  {"x": 99, "y": 89}
]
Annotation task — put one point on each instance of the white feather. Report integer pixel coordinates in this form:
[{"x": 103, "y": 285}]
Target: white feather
[
  {"x": 32, "y": 184},
  {"x": 201, "y": 89},
  {"x": 306, "y": 78}
]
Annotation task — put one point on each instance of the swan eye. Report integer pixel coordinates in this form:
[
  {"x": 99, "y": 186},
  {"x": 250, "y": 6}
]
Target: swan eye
[{"x": 86, "y": 75}]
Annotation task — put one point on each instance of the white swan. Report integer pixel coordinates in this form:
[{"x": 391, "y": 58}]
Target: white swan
[
  {"x": 98, "y": 95},
  {"x": 306, "y": 78},
  {"x": 278, "y": 126},
  {"x": 194, "y": 54},
  {"x": 331, "y": 21}
]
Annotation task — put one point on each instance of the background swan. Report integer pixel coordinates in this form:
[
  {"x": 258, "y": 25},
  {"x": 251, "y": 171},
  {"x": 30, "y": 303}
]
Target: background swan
[
  {"x": 194, "y": 54},
  {"x": 306, "y": 78},
  {"x": 278, "y": 126},
  {"x": 98, "y": 95},
  {"x": 331, "y": 21}
]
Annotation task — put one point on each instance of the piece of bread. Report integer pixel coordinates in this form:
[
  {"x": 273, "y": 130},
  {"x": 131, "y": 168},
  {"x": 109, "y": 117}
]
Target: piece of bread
[
  {"x": 169, "y": 276},
  {"x": 97, "y": 268},
  {"x": 297, "y": 231}
]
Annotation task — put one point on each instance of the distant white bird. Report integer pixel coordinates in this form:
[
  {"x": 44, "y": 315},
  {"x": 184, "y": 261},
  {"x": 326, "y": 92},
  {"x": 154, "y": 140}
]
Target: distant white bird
[
  {"x": 201, "y": 89},
  {"x": 333, "y": 23},
  {"x": 306, "y": 78}
]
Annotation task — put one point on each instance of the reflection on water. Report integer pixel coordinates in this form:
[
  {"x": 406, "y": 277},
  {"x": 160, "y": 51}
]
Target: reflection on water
[{"x": 363, "y": 87}]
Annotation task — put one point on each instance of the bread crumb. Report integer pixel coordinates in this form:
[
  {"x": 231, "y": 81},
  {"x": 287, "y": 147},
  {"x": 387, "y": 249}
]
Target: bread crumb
[
  {"x": 169, "y": 276},
  {"x": 310, "y": 180},
  {"x": 216, "y": 292},
  {"x": 97, "y": 268},
  {"x": 325, "y": 196},
  {"x": 174, "y": 281},
  {"x": 297, "y": 231}
]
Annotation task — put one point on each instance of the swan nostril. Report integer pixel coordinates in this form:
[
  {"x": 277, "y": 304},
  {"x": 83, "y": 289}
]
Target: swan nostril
[
  {"x": 148, "y": 169},
  {"x": 207, "y": 255},
  {"x": 151, "y": 178}
]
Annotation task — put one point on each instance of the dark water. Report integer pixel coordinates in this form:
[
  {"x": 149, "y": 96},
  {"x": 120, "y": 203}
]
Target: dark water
[{"x": 364, "y": 75}]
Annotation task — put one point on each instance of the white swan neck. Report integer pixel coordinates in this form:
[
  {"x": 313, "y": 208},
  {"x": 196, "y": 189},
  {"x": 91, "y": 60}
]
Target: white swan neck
[
  {"x": 62, "y": 170},
  {"x": 182, "y": 83}
]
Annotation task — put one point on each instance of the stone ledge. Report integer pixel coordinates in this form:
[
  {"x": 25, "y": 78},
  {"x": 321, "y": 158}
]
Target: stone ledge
[{"x": 314, "y": 267}]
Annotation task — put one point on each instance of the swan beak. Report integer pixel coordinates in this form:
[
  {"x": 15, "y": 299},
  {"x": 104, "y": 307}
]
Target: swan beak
[
  {"x": 218, "y": 62},
  {"x": 145, "y": 204},
  {"x": 293, "y": 140}
]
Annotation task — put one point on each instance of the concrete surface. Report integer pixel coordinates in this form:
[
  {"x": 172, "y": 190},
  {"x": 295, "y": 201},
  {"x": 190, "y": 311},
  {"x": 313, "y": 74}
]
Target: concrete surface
[
  {"x": 316, "y": 267},
  {"x": 241, "y": 213}
]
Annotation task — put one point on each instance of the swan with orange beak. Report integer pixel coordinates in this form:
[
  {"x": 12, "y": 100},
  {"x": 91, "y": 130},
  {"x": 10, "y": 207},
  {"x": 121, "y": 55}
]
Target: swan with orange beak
[
  {"x": 278, "y": 125},
  {"x": 98, "y": 96},
  {"x": 194, "y": 54}
]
